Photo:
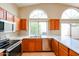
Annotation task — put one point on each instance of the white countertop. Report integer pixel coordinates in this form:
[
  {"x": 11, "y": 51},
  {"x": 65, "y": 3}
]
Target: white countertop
[
  {"x": 22, "y": 37},
  {"x": 1, "y": 50},
  {"x": 71, "y": 43}
]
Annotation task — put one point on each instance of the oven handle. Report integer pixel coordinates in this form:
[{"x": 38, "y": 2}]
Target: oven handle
[{"x": 13, "y": 46}]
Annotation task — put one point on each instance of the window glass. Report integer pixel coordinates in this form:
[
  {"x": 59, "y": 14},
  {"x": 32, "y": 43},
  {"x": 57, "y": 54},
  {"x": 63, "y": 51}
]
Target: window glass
[
  {"x": 65, "y": 29},
  {"x": 75, "y": 30},
  {"x": 42, "y": 28},
  {"x": 70, "y": 14},
  {"x": 38, "y": 14},
  {"x": 38, "y": 28},
  {"x": 33, "y": 28}
]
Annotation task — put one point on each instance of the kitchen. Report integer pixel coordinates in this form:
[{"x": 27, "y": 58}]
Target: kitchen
[{"x": 43, "y": 29}]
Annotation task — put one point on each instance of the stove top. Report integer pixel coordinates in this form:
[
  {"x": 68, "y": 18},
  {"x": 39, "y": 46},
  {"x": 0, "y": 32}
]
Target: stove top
[{"x": 4, "y": 44}]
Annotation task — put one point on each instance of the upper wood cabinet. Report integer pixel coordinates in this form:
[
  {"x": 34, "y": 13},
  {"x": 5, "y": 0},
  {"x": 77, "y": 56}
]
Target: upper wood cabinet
[
  {"x": 5, "y": 15},
  {"x": 1, "y": 13},
  {"x": 9, "y": 17},
  {"x": 54, "y": 24},
  {"x": 23, "y": 24},
  {"x": 17, "y": 21}
]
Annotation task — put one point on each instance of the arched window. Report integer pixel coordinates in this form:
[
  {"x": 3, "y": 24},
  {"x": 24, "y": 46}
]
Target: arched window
[
  {"x": 38, "y": 23},
  {"x": 38, "y": 14},
  {"x": 70, "y": 14}
]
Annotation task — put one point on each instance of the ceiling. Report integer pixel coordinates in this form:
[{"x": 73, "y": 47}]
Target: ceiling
[
  {"x": 25, "y": 4},
  {"x": 73, "y": 4},
  {"x": 28, "y": 4}
]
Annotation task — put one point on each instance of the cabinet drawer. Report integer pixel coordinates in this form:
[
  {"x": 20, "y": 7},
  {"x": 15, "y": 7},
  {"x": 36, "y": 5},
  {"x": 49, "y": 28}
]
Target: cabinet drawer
[
  {"x": 63, "y": 47},
  {"x": 72, "y": 53}
]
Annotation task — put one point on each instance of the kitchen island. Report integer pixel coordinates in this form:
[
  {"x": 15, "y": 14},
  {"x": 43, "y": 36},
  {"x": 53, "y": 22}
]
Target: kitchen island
[{"x": 71, "y": 44}]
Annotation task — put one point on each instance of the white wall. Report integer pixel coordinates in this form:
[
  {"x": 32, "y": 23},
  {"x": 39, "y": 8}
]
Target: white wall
[{"x": 53, "y": 10}]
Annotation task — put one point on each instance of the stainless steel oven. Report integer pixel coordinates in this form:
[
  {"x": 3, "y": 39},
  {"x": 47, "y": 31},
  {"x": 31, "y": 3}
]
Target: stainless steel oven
[
  {"x": 14, "y": 51},
  {"x": 12, "y": 47}
]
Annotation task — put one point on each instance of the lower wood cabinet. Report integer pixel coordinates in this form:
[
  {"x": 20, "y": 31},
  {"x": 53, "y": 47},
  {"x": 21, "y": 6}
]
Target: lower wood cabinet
[
  {"x": 31, "y": 45},
  {"x": 63, "y": 51},
  {"x": 72, "y": 53},
  {"x": 55, "y": 47},
  {"x": 28, "y": 45},
  {"x": 1, "y": 54},
  {"x": 38, "y": 45}
]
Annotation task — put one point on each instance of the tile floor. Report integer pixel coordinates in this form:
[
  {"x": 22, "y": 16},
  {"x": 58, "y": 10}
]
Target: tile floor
[{"x": 38, "y": 54}]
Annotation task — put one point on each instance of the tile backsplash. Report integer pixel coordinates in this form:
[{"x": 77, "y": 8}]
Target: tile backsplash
[
  {"x": 13, "y": 34},
  {"x": 22, "y": 33}
]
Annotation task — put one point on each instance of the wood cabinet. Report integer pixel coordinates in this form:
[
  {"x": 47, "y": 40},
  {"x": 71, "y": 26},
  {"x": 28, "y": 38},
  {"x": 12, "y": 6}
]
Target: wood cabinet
[
  {"x": 72, "y": 53},
  {"x": 1, "y": 54},
  {"x": 31, "y": 44},
  {"x": 54, "y": 24},
  {"x": 1, "y": 13},
  {"x": 28, "y": 45},
  {"x": 5, "y": 15},
  {"x": 51, "y": 24},
  {"x": 38, "y": 44},
  {"x": 17, "y": 21},
  {"x": 63, "y": 51},
  {"x": 23, "y": 24},
  {"x": 55, "y": 46},
  {"x": 9, "y": 17}
]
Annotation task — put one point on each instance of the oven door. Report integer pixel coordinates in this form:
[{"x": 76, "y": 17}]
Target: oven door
[{"x": 14, "y": 52}]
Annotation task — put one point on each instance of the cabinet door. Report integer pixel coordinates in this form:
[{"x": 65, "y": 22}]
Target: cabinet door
[
  {"x": 55, "y": 46},
  {"x": 28, "y": 45},
  {"x": 1, "y": 54},
  {"x": 72, "y": 53},
  {"x": 32, "y": 45},
  {"x": 25, "y": 44},
  {"x": 23, "y": 24},
  {"x": 54, "y": 24},
  {"x": 38, "y": 44},
  {"x": 5, "y": 14},
  {"x": 17, "y": 21},
  {"x": 62, "y": 52},
  {"x": 9, "y": 17},
  {"x": 1, "y": 13},
  {"x": 51, "y": 24}
]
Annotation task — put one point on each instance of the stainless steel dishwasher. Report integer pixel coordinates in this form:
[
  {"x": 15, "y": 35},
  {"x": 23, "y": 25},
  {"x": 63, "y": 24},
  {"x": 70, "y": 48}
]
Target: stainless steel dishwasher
[{"x": 46, "y": 44}]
